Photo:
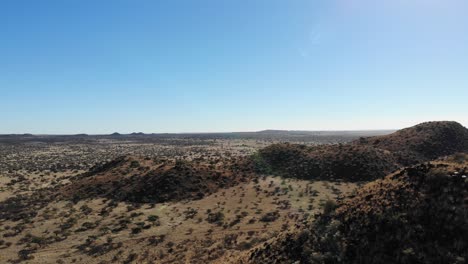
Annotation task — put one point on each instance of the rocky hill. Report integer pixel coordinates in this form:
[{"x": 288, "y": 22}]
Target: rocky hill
[
  {"x": 423, "y": 142},
  {"x": 416, "y": 215},
  {"x": 327, "y": 162},
  {"x": 136, "y": 179},
  {"x": 367, "y": 158}
]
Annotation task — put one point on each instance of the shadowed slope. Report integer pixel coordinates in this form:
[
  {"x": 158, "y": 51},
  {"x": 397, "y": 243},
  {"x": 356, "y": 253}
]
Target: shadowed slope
[
  {"x": 146, "y": 180},
  {"x": 417, "y": 215},
  {"x": 329, "y": 162},
  {"x": 367, "y": 158}
]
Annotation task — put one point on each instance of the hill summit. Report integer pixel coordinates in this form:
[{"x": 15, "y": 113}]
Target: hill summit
[
  {"x": 423, "y": 142},
  {"x": 366, "y": 158}
]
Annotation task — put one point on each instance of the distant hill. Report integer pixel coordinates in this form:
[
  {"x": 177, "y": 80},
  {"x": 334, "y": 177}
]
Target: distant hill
[
  {"x": 316, "y": 137},
  {"x": 327, "y": 162},
  {"x": 326, "y": 132},
  {"x": 367, "y": 158}
]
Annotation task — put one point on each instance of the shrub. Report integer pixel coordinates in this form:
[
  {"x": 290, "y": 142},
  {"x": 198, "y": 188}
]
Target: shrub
[
  {"x": 261, "y": 166},
  {"x": 329, "y": 207},
  {"x": 134, "y": 164},
  {"x": 136, "y": 230},
  {"x": 270, "y": 217},
  {"x": 217, "y": 217}
]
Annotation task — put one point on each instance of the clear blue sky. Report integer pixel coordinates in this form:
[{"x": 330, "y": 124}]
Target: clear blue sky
[{"x": 235, "y": 65}]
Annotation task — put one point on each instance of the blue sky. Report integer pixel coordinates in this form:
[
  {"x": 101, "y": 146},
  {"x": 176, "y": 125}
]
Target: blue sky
[{"x": 235, "y": 65}]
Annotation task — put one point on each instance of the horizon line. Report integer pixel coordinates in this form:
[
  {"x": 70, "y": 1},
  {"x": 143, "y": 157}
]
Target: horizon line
[{"x": 195, "y": 132}]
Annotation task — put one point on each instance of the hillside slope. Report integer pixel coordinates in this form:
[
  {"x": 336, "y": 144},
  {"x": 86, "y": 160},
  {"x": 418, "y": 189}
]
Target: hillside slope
[
  {"x": 136, "y": 179},
  {"x": 417, "y": 215},
  {"x": 367, "y": 158},
  {"x": 328, "y": 162},
  {"x": 423, "y": 142}
]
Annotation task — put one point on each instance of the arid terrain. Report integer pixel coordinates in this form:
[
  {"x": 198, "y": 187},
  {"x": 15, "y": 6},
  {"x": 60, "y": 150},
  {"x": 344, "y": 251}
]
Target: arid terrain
[
  {"x": 58, "y": 205},
  {"x": 257, "y": 197}
]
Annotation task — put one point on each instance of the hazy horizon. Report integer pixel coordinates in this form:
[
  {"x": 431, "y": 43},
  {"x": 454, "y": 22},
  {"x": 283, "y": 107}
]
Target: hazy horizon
[
  {"x": 200, "y": 132},
  {"x": 98, "y": 67},
  {"x": 130, "y": 130}
]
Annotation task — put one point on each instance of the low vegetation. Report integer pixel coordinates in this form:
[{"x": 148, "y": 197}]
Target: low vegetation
[{"x": 224, "y": 198}]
